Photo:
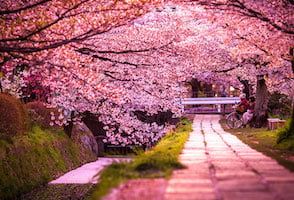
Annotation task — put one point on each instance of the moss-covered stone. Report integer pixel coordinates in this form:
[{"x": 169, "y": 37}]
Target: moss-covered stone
[{"x": 31, "y": 160}]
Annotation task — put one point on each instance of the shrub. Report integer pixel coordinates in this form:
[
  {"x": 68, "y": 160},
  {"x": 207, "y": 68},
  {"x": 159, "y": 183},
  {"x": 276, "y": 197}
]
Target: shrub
[
  {"x": 286, "y": 132},
  {"x": 40, "y": 114},
  {"x": 279, "y": 105},
  {"x": 13, "y": 116}
]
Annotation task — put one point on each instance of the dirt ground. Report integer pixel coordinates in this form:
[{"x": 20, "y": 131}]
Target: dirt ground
[{"x": 143, "y": 189}]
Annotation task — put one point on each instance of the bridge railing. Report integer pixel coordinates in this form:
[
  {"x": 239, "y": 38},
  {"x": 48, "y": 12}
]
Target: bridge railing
[
  {"x": 210, "y": 100},
  {"x": 235, "y": 93},
  {"x": 218, "y": 102}
]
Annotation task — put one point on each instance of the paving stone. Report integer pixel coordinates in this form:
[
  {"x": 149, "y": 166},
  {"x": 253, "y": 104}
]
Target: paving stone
[
  {"x": 224, "y": 165},
  {"x": 239, "y": 147},
  {"x": 195, "y": 157},
  {"x": 192, "y": 170},
  {"x": 223, "y": 155},
  {"x": 247, "y": 195},
  {"x": 267, "y": 166},
  {"x": 192, "y": 174},
  {"x": 211, "y": 147},
  {"x": 244, "y": 184},
  {"x": 256, "y": 159},
  {"x": 190, "y": 184},
  {"x": 190, "y": 196},
  {"x": 201, "y": 145},
  {"x": 192, "y": 163},
  {"x": 185, "y": 189},
  {"x": 137, "y": 189},
  {"x": 250, "y": 153},
  {"x": 284, "y": 189},
  {"x": 204, "y": 181},
  {"x": 234, "y": 174},
  {"x": 193, "y": 150},
  {"x": 275, "y": 174},
  {"x": 192, "y": 153},
  {"x": 191, "y": 159},
  {"x": 203, "y": 175},
  {"x": 219, "y": 159},
  {"x": 281, "y": 179}
]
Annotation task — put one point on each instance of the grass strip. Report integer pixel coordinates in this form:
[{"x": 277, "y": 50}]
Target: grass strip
[
  {"x": 158, "y": 162},
  {"x": 265, "y": 141}
]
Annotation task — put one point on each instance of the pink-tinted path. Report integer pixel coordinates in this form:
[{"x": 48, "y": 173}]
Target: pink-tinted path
[
  {"x": 87, "y": 173},
  {"x": 220, "y": 166}
]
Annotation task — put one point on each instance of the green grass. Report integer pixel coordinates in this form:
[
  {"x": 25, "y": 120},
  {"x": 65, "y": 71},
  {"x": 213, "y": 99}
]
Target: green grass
[
  {"x": 265, "y": 141},
  {"x": 157, "y": 162},
  {"x": 60, "y": 191},
  {"x": 286, "y": 133},
  {"x": 35, "y": 158}
]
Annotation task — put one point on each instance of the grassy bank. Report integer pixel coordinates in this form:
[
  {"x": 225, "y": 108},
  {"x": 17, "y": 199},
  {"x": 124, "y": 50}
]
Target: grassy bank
[
  {"x": 157, "y": 162},
  {"x": 35, "y": 158},
  {"x": 265, "y": 141}
]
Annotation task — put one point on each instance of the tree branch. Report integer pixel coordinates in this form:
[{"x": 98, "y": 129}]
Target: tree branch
[
  {"x": 119, "y": 62},
  {"x": 241, "y": 8},
  {"x": 5, "y": 12},
  {"x": 227, "y": 70},
  {"x": 63, "y": 16}
]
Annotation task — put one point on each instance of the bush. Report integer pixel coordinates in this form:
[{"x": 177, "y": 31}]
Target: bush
[
  {"x": 286, "y": 132},
  {"x": 40, "y": 114},
  {"x": 279, "y": 105},
  {"x": 13, "y": 116}
]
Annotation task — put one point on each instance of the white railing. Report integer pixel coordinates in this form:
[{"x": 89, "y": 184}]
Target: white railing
[{"x": 210, "y": 100}]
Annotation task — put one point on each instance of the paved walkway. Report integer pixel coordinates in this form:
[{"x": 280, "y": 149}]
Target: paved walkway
[
  {"x": 220, "y": 166},
  {"x": 88, "y": 172}
]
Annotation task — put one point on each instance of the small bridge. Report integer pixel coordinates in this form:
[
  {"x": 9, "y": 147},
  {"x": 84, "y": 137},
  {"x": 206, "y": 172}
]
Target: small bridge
[{"x": 218, "y": 102}]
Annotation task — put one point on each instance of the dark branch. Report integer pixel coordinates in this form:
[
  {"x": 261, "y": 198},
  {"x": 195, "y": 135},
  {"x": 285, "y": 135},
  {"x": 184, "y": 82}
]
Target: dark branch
[
  {"x": 241, "y": 8},
  {"x": 79, "y": 38},
  {"x": 87, "y": 50},
  {"x": 63, "y": 16},
  {"x": 109, "y": 74},
  {"x": 227, "y": 70},
  {"x": 119, "y": 62},
  {"x": 5, "y": 12},
  {"x": 93, "y": 53},
  {"x": 249, "y": 41}
]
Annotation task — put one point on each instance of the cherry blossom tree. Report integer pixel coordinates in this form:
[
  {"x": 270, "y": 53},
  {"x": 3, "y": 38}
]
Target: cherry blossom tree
[
  {"x": 129, "y": 72},
  {"x": 101, "y": 57},
  {"x": 258, "y": 35},
  {"x": 77, "y": 67},
  {"x": 31, "y": 30}
]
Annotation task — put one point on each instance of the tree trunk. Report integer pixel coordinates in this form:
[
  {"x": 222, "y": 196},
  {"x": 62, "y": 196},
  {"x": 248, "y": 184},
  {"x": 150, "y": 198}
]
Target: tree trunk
[
  {"x": 207, "y": 89},
  {"x": 291, "y": 127},
  {"x": 93, "y": 123},
  {"x": 69, "y": 127},
  {"x": 196, "y": 87},
  {"x": 247, "y": 87},
  {"x": 261, "y": 106}
]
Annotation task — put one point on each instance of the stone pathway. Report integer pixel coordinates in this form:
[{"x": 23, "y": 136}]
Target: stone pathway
[
  {"x": 220, "y": 166},
  {"x": 87, "y": 173}
]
